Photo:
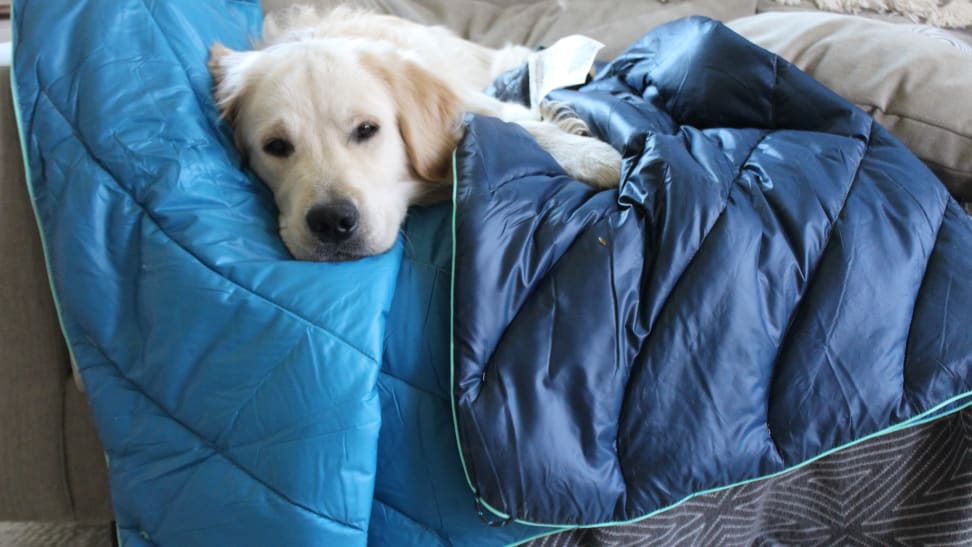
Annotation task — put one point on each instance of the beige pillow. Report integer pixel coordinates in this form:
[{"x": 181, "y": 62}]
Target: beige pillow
[
  {"x": 916, "y": 84},
  {"x": 542, "y": 22}
]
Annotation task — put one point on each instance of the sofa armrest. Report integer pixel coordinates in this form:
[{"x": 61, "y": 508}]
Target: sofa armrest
[{"x": 40, "y": 419}]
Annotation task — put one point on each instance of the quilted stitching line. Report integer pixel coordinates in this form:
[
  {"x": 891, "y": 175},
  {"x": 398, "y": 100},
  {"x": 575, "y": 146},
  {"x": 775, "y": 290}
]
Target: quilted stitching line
[
  {"x": 681, "y": 277},
  {"x": 284, "y": 361},
  {"x": 140, "y": 388},
  {"x": 216, "y": 129},
  {"x": 797, "y": 308},
  {"x": 552, "y": 266},
  {"x": 421, "y": 525},
  {"x": 216, "y": 449},
  {"x": 905, "y": 394},
  {"x": 199, "y": 465},
  {"x": 195, "y": 93},
  {"x": 414, "y": 386},
  {"x": 147, "y": 212}
]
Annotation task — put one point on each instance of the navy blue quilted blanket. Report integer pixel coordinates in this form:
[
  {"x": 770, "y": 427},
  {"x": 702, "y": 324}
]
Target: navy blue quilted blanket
[{"x": 775, "y": 278}]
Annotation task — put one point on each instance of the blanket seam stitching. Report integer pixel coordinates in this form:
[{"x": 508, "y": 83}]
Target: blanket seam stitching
[
  {"x": 145, "y": 210},
  {"x": 167, "y": 510},
  {"x": 216, "y": 449},
  {"x": 911, "y": 322},
  {"x": 800, "y": 301},
  {"x": 424, "y": 527},
  {"x": 627, "y": 387},
  {"x": 199, "y": 102},
  {"x": 412, "y": 385},
  {"x": 216, "y": 128},
  {"x": 282, "y": 362}
]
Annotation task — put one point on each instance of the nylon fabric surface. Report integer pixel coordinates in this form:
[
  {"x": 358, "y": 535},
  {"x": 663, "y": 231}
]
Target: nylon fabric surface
[
  {"x": 242, "y": 397},
  {"x": 775, "y": 277},
  {"x": 909, "y": 487},
  {"x": 219, "y": 392},
  {"x": 245, "y": 398}
]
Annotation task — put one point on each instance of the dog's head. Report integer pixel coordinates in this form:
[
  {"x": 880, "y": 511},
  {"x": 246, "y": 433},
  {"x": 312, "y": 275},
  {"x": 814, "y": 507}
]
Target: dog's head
[{"x": 346, "y": 134}]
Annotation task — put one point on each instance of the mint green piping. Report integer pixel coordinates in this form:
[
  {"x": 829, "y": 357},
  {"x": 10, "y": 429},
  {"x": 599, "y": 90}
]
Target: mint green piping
[
  {"x": 919, "y": 419},
  {"x": 452, "y": 336},
  {"x": 28, "y": 177},
  {"x": 33, "y": 203}
]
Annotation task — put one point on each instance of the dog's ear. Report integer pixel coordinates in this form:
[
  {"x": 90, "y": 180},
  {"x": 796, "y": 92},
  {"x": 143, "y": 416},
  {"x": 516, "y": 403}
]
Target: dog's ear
[
  {"x": 230, "y": 72},
  {"x": 428, "y": 114}
]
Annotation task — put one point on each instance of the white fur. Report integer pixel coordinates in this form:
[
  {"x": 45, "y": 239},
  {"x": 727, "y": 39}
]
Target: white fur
[{"x": 320, "y": 77}]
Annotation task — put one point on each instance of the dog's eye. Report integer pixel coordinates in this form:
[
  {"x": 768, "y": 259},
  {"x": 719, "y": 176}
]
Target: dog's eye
[
  {"x": 365, "y": 131},
  {"x": 278, "y": 147}
]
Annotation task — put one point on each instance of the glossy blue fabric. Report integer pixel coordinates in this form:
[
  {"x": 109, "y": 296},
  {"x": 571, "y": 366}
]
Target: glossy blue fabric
[
  {"x": 421, "y": 495},
  {"x": 242, "y": 398},
  {"x": 233, "y": 409},
  {"x": 776, "y": 277}
]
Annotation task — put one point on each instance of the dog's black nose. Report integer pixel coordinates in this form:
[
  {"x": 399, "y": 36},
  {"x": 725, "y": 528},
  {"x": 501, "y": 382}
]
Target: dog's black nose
[{"x": 333, "y": 222}]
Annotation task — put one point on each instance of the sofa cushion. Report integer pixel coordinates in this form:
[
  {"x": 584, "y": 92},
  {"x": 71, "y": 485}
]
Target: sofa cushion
[
  {"x": 498, "y": 22},
  {"x": 914, "y": 83},
  {"x": 33, "y": 357},
  {"x": 946, "y": 14}
]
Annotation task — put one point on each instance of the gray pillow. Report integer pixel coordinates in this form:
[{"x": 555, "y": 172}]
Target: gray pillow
[
  {"x": 913, "y": 81},
  {"x": 541, "y": 22}
]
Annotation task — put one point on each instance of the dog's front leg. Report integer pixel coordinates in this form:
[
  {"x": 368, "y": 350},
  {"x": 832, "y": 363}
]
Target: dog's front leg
[
  {"x": 484, "y": 105},
  {"x": 583, "y": 158}
]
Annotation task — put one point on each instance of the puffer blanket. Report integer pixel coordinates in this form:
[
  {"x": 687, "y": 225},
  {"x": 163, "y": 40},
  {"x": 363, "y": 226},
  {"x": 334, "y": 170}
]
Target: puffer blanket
[
  {"x": 776, "y": 277},
  {"x": 244, "y": 398}
]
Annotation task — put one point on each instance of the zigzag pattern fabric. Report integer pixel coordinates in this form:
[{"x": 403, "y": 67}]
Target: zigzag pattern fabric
[{"x": 913, "y": 487}]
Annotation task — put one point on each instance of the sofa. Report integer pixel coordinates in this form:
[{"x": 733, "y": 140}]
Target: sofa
[
  {"x": 53, "y": 466},
  {"x": 51, "y": 463}
]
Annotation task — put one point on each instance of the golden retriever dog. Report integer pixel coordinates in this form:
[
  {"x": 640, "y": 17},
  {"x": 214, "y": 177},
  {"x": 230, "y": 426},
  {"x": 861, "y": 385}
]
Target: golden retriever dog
[{"x": 350, "y": 117}]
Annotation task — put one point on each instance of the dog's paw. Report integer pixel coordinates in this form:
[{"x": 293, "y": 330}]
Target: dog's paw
[
  {"x": 564, "y": 117},
  {"x": 599, "y": 166},
  {"x": 588, "y": 160},
  {"x": 583, "y": 158}
]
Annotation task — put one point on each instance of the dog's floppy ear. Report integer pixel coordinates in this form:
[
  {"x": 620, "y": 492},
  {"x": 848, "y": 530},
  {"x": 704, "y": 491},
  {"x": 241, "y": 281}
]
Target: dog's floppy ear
[
  {"x": 428, "y": 114},
  {"x": 230, "y": 72}
]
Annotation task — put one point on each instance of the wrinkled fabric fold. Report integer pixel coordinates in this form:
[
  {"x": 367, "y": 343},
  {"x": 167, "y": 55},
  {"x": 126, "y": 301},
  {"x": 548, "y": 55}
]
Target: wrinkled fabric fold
[
  {"x": 775, "y": 277},
  {"x": 234, "y": 390}
]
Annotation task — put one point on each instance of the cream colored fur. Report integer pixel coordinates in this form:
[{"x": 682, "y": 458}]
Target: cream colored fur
[{"x": 320, "y": 80}]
